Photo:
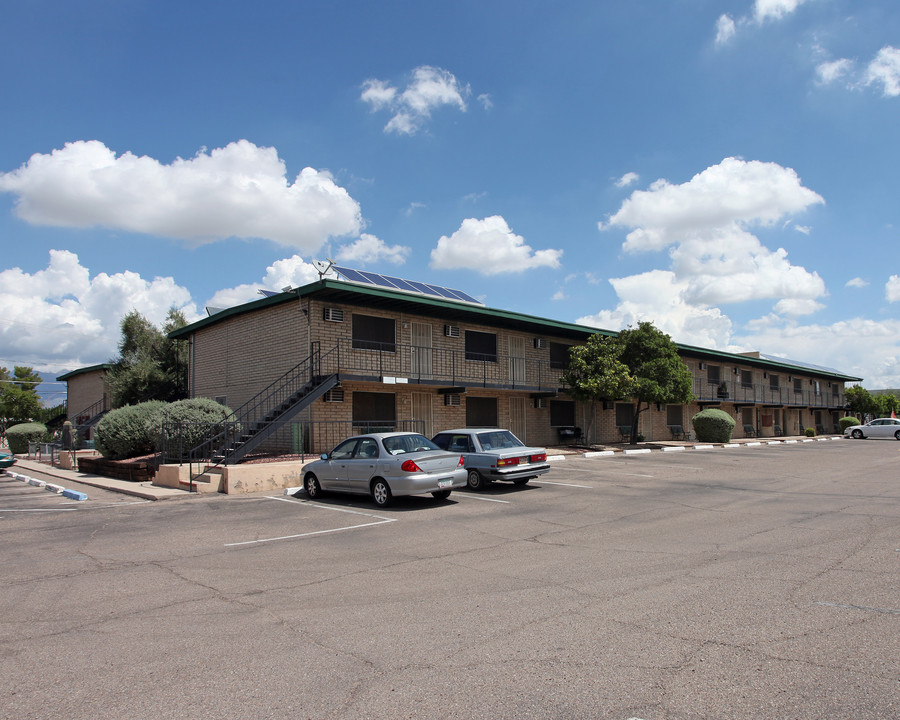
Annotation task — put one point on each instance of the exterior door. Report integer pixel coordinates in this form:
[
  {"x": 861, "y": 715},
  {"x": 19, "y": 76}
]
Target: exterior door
[
  {"x": 421, "y": 352},
  {"x": 422, "y": 410},
  {"x": 517, "y": 418},
  {"x": 361, "y": 467},
  {"x": 517, "y": 360}
]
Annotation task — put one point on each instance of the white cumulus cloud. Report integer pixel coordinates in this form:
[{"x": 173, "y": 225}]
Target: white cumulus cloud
[
  {"x": 428, "y": 89},
  {"x": 489, "y": 247},
  {"x": 370, "y": 249},
  {"x": 61, "y": 318},
  {"x": 629, "y": 178},
  {"x": 885, "y": 71},
  {"x": 240, "y": 190},
  {"x": 856, "y": 282},
  {"x": 725, "y": 29},
  {"x": 293, "y": 271},
  {"x": 834, "y": 70},
  {"x": 774, "y": 9},
  {"x": 892, "y": 289}
]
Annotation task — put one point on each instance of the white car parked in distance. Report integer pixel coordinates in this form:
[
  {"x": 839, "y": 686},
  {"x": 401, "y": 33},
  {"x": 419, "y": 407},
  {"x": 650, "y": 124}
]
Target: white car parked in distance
[{"x": 879, "y": 428}]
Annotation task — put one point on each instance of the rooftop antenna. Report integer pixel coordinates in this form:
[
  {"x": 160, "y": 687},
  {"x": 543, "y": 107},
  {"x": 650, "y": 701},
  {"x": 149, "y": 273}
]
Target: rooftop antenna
[{"x": 323, "y": 267}]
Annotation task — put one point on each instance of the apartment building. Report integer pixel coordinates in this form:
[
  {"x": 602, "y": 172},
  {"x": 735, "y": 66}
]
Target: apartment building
[{"x": 312, "y": 364}]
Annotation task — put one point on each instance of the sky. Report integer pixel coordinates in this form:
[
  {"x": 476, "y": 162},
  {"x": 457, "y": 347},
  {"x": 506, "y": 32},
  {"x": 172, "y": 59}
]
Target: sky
[{"x": 727, "y": 170}]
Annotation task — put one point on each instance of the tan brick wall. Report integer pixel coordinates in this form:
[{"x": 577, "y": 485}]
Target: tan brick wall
[{"x": 83, "y": 390}]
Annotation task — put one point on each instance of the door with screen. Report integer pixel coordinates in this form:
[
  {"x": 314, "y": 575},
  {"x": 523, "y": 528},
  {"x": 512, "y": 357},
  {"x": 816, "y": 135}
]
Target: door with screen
[{"x": 421, "y": 351}]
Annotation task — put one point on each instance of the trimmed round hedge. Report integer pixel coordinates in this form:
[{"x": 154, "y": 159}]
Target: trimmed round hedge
[
  {"x": 126, "y": 431},
  {"x": 18, "y": 436},
  {"x": 194, "y": 419},
  {"x": 848, "y": 421},
  {"x": 713, "y": 425}
]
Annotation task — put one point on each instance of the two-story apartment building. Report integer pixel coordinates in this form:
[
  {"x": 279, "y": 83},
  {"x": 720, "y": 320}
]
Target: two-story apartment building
[
  {"x": 87, "y": 396},
  {"x": 318, "y": 362}
]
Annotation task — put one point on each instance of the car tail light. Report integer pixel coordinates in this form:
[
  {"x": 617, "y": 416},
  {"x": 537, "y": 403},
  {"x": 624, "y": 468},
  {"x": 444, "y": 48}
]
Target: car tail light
[
  {"x": 462, "y": 462},
  {"x": 508, "y": 461},
  {"x": 540, "y": 457},
  {"x": 410, "y": 466}
]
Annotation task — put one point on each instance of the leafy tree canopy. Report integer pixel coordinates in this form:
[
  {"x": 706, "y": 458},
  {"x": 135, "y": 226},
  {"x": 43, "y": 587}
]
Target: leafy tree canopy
[
  {"x": 19, "y": 399},
  {"x": 641, "y": 364},
  {"x": 150, "y": 365}
]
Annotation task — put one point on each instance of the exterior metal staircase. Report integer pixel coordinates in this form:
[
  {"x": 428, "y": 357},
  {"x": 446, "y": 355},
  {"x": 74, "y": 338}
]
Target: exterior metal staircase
[
  {"x": 94, "y": 414},
  {"x": 256, "y": 420}
]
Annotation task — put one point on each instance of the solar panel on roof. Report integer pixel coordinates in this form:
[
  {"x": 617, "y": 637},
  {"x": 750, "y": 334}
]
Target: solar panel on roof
[
  {"x": 268, "y": 293},
  {"x": 395, "y": 283}
]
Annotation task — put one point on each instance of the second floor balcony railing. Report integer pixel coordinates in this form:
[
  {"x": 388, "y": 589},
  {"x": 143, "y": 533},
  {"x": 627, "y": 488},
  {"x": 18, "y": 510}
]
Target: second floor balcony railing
[{"x": 764, "y": 394}]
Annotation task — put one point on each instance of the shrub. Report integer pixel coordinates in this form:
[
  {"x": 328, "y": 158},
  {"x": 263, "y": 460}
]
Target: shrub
[
  {"x": 198, "y": 418},
  {"x": 712, "y": 425},
  {"x": 126, "y": 431},
  {"x": 848, "y": 421},
  {"x": 810, "y": 432},
  {"x": 18, "y": 436}
]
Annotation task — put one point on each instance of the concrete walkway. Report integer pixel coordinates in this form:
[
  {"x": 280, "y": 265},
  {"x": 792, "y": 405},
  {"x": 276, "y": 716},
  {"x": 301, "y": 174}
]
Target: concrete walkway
[{"x": 137, "y": 489}]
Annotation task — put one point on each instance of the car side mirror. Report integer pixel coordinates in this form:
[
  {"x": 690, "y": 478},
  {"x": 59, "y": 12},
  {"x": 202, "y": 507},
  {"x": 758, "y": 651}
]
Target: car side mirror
[{"x": 323, "y": 456}]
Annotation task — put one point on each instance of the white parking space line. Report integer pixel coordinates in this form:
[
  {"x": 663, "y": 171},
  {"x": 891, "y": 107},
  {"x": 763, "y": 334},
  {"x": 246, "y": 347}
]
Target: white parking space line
[
  {"x": 379, "y": 520},
  {"x": 483, "y": 499},
  {"x": 550, "y": 482}
]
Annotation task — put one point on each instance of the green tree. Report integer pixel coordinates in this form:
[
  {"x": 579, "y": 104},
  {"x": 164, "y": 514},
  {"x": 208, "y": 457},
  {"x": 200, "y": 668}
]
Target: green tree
[
  {"x": 150, "y": 366},
  {"x": 19, "y": 399},
  {"x": 641, "y": 364},
  {"x": 887, "y": 403},
  {"x": 860, "y": 400}
]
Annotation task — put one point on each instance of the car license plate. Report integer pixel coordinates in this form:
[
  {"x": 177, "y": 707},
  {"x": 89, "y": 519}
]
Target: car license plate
[
  {"x": 445, "y": 483},
  {"x": 525, "y": 460}
]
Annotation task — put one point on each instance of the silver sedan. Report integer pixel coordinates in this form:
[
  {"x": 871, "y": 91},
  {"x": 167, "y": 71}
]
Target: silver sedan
[
  {"x": 384, "y": 465},
  {"x": 494, "y": 454},
  {"x": 880, "y": 428}
]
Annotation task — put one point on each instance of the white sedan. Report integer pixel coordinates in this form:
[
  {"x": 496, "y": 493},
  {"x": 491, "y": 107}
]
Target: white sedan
[{"x": 880, "y": 428}]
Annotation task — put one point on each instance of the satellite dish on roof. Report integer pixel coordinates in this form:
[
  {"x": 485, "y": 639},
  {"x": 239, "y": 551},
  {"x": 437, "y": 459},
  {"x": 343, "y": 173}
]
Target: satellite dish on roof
[{"x": 323, "y": 266}]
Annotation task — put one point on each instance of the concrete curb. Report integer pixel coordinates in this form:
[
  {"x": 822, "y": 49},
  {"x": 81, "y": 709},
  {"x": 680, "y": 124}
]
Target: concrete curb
[
  {"x": 724, "y": 446},
  {"x": 50, "y": 487}
]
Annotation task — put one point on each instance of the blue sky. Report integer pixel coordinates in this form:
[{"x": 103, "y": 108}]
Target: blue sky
[{"x": 727, "y": 170}]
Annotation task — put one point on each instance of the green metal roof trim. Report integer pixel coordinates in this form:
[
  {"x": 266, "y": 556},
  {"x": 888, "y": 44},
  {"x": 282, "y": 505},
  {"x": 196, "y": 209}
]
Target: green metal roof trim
[
  {"x": 325, "y": 286},
  {"x": 81, "y": 371}
]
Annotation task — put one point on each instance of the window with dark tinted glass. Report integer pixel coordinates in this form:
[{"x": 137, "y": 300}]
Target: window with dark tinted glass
[
  {"x": 481, "y": 346},
  {"x": 373, "y": 333},
  {"x": 713, "y": 375},
  {"x": 746, "y": 378},
  {"x": 624, "y": 414},
  {"x": 773, "y": 382},
  {"x": 374, "y": 411},
  {"x": 481, "y": 412},
  {"x": 562, "y": 413},
  {"x": 798, "y": 386},
  {"x": 559, "y": 356}
]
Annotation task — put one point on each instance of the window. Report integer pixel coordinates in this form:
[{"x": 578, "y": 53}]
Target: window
[
  {"x": 372, "y": 411},
  {"x": 481, "y": 346},
  {"x": 559, "y": 356},
  {"x": 481, "y": 411},
  {"x": 373, "y": 333},
  {"x": 674, "y": 415},
  {"x": 746, "y": 378},
  {"x": 624, "y": 414},
  {"x": 713, "y": 374},
  {"x": 773, "y": 382},
  {"x": 798, "y": 386},
  {"x": 562, "y": 413},
  {"x": 834, "y": 389}
]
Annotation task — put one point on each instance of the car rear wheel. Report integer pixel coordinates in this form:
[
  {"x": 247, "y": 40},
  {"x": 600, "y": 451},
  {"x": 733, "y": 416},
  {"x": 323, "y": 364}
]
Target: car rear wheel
[
  {"x": 897, "y": 434},
  {"x": 311, "y": 484},
  {"x": 441, "y": 494},
  {"x": 476, "y": 481},
  {"x": 857, "y": 434},
  {"x": 381, "y": 493}
]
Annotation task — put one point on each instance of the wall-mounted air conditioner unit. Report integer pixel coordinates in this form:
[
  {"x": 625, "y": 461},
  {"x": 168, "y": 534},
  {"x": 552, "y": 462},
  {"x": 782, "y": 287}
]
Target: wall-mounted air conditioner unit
[
  {"x": 451, "y": 330},
  {"x": 703, "y": 366},
  {"x": 540, "y": 403},
  {"x": 451, "y": 399},
  {"x": 334, "y": 395},
  {"x": 540, "y": 343},
  {"x": 334, "y": 315}
]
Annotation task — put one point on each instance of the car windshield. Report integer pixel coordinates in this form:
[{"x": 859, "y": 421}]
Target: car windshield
[
  {"x": 399, "y": 444},
  {"x": 498, "y": 440}
]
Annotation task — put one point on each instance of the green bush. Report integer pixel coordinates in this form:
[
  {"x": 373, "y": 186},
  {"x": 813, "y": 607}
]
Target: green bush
[
  {"x": 712, "y": 425},
  {"x": 810, "y": 432},
  {"x": 196, "y": 418},
  {"x": 18, "y": 436},
  {"x": 848, "y": 421},
  {"x": 126, "y": 431}
]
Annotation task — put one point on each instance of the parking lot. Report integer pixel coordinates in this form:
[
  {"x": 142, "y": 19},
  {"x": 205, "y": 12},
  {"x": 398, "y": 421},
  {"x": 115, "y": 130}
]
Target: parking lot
[{"x": 752, "y": 582}]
